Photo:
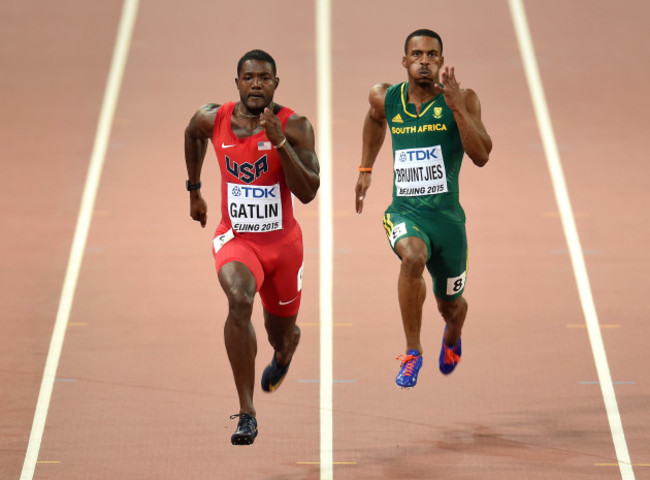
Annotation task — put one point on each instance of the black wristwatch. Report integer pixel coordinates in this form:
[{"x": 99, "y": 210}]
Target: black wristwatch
[{"x": 192, "y": 186}]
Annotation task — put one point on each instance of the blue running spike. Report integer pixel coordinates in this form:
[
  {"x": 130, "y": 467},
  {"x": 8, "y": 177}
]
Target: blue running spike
[{"x": 410, "y": 367}]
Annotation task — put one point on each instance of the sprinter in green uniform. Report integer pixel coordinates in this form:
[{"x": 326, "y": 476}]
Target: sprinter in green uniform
[{"x": 433, "y": 124}]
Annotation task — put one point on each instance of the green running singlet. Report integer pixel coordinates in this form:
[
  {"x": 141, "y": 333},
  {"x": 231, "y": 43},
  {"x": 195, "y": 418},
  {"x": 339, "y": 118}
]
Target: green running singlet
[{"x": 427, "y": 155}]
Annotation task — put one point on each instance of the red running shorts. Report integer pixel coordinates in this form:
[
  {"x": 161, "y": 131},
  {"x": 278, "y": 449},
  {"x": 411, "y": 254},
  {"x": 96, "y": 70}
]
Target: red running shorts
[{"x": 276, "y": 264}]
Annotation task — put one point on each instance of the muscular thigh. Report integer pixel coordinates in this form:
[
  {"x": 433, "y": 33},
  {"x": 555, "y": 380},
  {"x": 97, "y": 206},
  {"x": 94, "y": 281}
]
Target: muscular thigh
[
  {"x": 446, "y": 248},
  {"x": 227, "y": 248},
  {"x": 448, "y": 262},
  {"x": 283, "y": 267},
  {"x": 276, "y": 265},
  {"x": 398, "y": 226}
]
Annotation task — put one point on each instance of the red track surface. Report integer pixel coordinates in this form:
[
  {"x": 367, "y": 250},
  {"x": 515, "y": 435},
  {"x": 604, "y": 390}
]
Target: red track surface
[{"x": 144, "y": 389}]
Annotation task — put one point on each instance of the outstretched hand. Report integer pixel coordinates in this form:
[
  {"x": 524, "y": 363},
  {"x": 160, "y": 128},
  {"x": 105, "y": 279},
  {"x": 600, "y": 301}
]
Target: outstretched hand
[
  {"x": 450, "y": 87},
  {"x": 272, "y": 126}
]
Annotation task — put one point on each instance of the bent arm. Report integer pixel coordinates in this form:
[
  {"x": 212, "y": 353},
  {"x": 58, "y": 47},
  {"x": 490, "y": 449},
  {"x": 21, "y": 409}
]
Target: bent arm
[
  {"x": 197, "y": 136},
  {"x": 299, "y": 159},
  {"x": 476, "y": 141},
  {"x": 373, "y": 136},
  {"x": 374, "y": 126}
]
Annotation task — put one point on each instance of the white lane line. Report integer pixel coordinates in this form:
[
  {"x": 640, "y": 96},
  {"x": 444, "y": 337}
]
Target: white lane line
[
  {"x": 120, "y": 54},
  {"x": 571, "y": 234},
  {"x": 324, "y": 135}
]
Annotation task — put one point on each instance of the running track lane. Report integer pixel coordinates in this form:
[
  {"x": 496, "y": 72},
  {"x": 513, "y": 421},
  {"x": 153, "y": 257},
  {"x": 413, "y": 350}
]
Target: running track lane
[{"x": 521, "y": 399}]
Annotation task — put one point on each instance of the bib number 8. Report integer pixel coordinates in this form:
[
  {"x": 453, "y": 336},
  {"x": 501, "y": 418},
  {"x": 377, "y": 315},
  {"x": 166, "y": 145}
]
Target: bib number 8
[{"x": 455, "y": 285}]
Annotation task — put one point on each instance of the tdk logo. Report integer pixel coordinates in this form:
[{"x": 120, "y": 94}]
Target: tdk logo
[
  {"x": 418, "y": 154},
  {"x": 254, "y": 192}
]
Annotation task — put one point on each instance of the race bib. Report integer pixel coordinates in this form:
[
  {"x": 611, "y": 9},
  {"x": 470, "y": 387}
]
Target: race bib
[
  {"x": 456, "y": 284},
  {"x": 300, "y": 276},
  {"x": 220, "y": 240},
  {"x": 255, "y": 208},
  {"x": 419, "y": 171},
  {"x": 396, "y": 232}
]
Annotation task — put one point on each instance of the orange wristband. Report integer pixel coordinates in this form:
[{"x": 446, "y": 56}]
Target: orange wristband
[{"x": 365, "y": 169}]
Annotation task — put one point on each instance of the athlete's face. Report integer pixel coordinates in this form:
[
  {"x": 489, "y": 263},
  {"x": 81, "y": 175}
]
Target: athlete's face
[
  {"x": 256, "y": 84},
  {"x": 423, "y": 60}
]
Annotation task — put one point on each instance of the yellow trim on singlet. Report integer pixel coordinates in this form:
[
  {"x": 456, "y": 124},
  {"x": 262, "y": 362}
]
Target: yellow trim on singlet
[
  {"x": 388, "y": 225},
  {"x": 403, "y": 98}
]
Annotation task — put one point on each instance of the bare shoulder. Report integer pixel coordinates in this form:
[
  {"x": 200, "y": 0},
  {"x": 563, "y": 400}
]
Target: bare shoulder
[
  {"x": 471, "y": 100},
  {"x": 468, "y": 94},
  {"x": 202, "y": 122},
  {"x": 209, "y": 109},
  {"x": 299, "y": 129},
  {"x": 376, "y": 99},
  {"x": 299, "y": 121},
  {"x": 378, "y": 94}
]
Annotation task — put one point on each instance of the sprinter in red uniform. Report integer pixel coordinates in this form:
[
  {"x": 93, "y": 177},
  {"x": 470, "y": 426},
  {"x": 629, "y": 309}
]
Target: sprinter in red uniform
[{"x": 266, "y": 154}]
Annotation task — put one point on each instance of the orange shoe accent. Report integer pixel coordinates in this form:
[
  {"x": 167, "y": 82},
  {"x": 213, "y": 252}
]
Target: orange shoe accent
[
  {"x": 408, "y": 371},
  {"x": 451, "y": 358}
]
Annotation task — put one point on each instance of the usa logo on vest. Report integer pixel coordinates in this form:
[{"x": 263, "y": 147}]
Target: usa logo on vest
[{"x": 247, "y": 172}]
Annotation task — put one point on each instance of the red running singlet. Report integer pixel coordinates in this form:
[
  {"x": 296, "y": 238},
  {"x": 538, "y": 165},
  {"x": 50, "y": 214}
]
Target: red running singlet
[
  {"x": 254, "y": 193},
  {"x": 257, "y": 225}
]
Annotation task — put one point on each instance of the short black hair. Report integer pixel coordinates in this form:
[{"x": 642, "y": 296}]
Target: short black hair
[
  {"x": 422, "y": 32},
  {"x": 256, "y": 55}
]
